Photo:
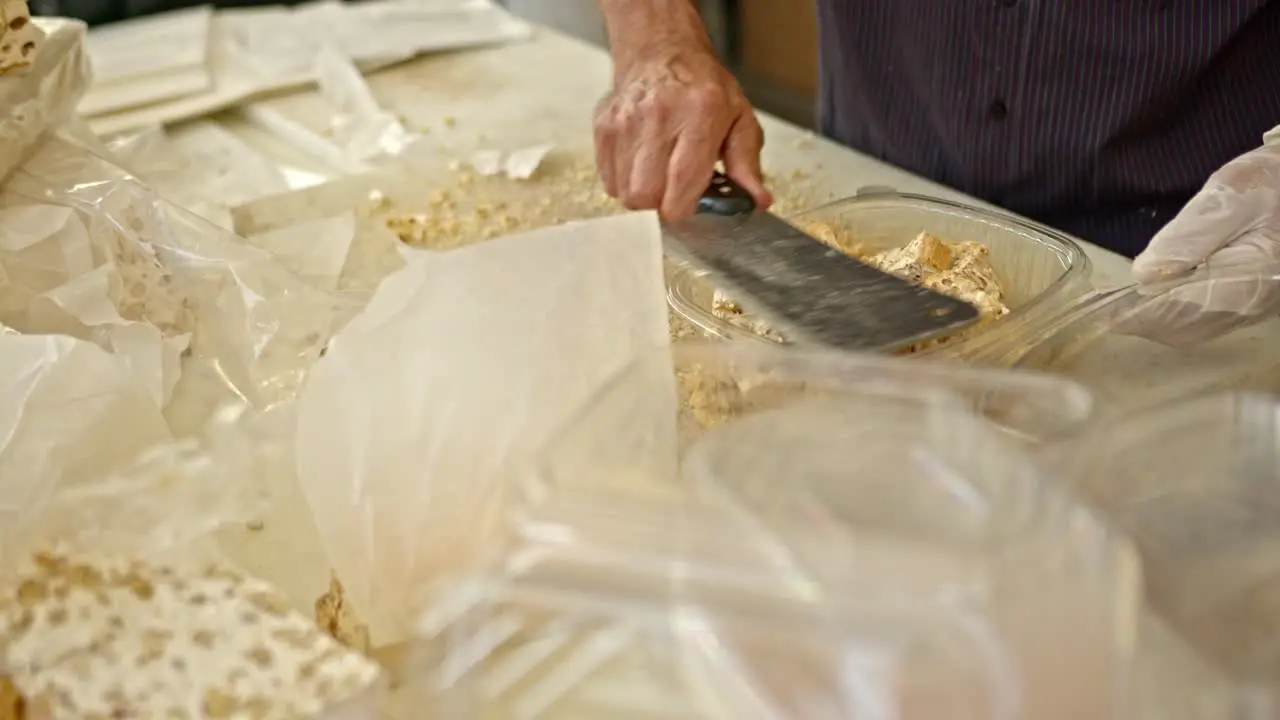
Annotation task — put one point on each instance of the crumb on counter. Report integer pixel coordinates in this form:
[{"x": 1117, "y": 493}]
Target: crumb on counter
[{"x": 336, "y": 617}]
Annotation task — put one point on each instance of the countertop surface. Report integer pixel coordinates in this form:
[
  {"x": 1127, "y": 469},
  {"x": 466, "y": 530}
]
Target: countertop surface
[
  {"x": 530, "y": 93},
  {"x": 544, "y": 91}
]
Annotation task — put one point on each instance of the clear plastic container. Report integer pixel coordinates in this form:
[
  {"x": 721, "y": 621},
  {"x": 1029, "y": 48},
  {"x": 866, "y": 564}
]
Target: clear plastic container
[
  {"x": 547, "y": 638},
  {"x": 1196, "y": 484},
  {"x": 633, "y": 430},
  {"x": 1105, "y": 341},
  {"x": 1042, "y": 270},
  {"x": 822, "y": 475},
  {"x": 862, "y": 486}
]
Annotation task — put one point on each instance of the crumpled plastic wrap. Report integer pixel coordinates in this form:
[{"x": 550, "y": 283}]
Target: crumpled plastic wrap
[
  {"x": 45, "y": 95},
  {"x": 69, "y": 413},
  {"x": 164, "y": 503},
  {"x": 202, "y": 317}
]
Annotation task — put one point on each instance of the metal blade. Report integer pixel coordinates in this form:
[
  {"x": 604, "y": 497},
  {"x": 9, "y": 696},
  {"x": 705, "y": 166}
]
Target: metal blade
[{"x": 813, "y": 292}]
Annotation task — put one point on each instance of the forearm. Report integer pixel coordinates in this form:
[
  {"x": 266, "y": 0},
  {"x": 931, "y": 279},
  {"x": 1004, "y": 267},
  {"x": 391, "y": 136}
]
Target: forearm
[
  {"x": 636, "y": 25},
  {"x": 1273, "y": 137}
]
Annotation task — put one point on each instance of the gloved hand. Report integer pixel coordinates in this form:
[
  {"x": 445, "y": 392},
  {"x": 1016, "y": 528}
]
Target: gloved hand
[{"x": 1233, "y": 222}]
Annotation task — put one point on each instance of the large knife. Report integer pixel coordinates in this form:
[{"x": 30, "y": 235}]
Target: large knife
[{"x": 810, "y": 291}]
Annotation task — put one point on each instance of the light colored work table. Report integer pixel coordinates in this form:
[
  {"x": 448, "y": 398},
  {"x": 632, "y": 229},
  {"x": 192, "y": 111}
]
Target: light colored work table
[
  {"x": 537, "y": 92},
  {"x": 544, "y": 90}
]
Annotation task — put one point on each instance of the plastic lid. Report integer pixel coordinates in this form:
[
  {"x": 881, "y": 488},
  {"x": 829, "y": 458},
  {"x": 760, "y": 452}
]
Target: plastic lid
[
  {"x": 881, "y": 503},
  {"x": 1194, "y": 483}
]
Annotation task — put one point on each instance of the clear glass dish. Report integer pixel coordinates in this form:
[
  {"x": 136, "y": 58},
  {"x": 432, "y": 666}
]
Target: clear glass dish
[{"x": 1041, "y": 270}]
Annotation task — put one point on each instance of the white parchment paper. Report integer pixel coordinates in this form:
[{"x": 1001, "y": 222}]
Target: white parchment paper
[{"x": 430, "y": 402}]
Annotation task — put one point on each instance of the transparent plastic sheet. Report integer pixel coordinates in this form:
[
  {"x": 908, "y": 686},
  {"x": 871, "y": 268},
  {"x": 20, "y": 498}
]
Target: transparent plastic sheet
[
  {"x": 200, "y": 166},
  {"x": 36, "y": 101},
  {"x": 1194, "y": 483},
  {"x": 852, "y": 477},
  {"x": 1142, "y": 346},
  {"x": 89, "y": 251}
]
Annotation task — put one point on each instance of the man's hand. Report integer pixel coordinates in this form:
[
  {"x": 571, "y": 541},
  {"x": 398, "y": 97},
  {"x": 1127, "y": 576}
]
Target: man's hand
[
  {"x": 672, "y": 113},
  {"x": 1233, "y": 223}
]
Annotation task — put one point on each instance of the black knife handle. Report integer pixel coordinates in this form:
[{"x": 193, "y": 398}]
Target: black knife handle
[{"x": 724, "y": 197}]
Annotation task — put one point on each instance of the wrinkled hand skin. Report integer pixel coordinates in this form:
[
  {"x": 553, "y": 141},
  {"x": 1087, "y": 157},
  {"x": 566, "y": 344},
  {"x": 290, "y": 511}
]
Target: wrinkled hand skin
[
  {"x": 672, "y": 113},
  {"x": 1230, "y": 233}
]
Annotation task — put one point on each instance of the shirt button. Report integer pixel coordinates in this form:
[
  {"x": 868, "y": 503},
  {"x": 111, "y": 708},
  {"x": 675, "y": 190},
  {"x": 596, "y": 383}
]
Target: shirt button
[{"x": 998, "y": 109}]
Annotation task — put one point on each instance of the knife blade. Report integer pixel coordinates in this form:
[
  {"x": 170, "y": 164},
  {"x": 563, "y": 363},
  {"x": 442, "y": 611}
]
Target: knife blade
[{"x": 810, "y": 291}]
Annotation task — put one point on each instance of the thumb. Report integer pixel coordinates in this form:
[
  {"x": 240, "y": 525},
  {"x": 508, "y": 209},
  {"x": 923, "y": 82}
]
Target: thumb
[
  {"x": 1202, "y": 228},
  {"x": 1232, "y": 203},
  {"x": 741, "y": 155}
]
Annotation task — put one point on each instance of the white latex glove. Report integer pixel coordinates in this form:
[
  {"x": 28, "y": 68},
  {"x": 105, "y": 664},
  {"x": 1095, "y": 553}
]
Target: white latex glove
[{"x": 1233, "y": 222}]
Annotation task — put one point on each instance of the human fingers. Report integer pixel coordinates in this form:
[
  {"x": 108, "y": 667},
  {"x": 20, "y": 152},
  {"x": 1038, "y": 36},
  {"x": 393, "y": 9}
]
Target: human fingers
[
  {"x": 647, "y": 182},
  {"x": 741, "y": 155},
  {"x": 693, "y": 161},
  {"x": 606, "y": 137},
  {"x": 1242, "y": 197},
  {"x": 1242, "y": 290}
]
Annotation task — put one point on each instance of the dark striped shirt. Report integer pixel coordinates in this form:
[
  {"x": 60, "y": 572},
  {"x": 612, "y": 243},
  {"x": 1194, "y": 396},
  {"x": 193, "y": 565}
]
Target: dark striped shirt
[{"x": 1099, "y": 117}]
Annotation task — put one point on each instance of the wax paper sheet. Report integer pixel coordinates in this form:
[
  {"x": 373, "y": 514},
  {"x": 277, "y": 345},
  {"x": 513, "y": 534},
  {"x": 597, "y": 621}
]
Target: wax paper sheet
[
  {"x": 258, "y": 50},
  {"x": 442, "y": 390},
  {"x": 149, "y": 60}
]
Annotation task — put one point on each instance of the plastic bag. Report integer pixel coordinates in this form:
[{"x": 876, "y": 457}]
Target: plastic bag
[{"x": 89, "y": 251}]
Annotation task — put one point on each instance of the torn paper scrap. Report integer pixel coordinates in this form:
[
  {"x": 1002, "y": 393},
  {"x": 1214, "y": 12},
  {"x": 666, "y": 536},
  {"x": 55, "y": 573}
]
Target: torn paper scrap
[
  {"x": 522, "y": 164},
  {"x": 518, "y": 165}
]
